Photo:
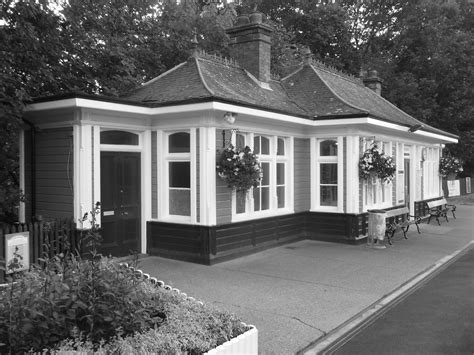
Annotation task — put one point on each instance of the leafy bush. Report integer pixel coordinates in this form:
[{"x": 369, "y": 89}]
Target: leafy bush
[{"x": 97, "y": 305}]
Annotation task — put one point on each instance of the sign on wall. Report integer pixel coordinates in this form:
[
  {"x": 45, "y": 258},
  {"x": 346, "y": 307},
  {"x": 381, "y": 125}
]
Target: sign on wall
[
  {"x": 17, "y": 251},
  {"x": 453, "y": 188},
  {"x": 468, "y": 185}
]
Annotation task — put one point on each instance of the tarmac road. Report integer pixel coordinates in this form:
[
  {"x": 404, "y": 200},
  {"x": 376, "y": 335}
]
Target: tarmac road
[{"x": 437, "y": 318}]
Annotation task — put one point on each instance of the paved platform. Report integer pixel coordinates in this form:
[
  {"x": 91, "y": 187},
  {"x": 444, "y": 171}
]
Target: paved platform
[
  {"x": 305, "y": 292},
  {"x": 437, "y": 318}
]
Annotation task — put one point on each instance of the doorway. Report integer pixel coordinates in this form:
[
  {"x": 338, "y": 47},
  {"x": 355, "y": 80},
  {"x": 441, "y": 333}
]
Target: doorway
[{"x": 120, "y": 202}]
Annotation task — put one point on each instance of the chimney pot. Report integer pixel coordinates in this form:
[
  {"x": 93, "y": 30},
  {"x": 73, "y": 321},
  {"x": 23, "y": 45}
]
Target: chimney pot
[
  {"x": 250, "y": 45},
  {"x": 242, "y": 20},
  {"x": 372, "y": 81},
  {"x": 256, "y": 17}
]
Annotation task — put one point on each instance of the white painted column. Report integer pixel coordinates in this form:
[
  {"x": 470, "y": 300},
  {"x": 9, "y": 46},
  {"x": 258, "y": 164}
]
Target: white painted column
[
  {"x": 413, "y": 173},
  {"x": 146, "y": 187},
  {"x": 352, "y": 175},
  {"x": 96, "y": 163},
  {"x": 207, "y": 172},
  {"x": 83, "y": 179}
]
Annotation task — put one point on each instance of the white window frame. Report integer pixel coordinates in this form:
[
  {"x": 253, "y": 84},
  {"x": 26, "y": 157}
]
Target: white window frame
[
  {"x": 431, "y": 178},
  {"x": 316, "y": 161},
  {"x": 380, "y": 191},
  {"x": 164, "y": 157},
  {"x": 272, "y": 159}
]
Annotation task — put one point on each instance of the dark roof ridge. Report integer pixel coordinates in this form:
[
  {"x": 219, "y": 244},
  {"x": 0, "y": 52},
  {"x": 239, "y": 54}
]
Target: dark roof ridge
[
  {"x": 162, "y": 74},
  {"x": 202, "y": 54},
  {"x": 196, "y": 61},
  {"x": 335, "y": 71},
  {"x": 334, "y": 92}
]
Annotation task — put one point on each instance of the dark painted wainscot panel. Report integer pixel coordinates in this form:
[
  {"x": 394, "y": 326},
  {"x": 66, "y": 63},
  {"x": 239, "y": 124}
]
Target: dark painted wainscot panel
[{"x": 209, "y": 245}]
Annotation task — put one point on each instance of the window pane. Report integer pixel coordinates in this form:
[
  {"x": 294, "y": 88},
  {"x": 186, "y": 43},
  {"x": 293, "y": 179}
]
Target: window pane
[
  {"x": 266, "y": 173},
  {"x": 328, "y": 173},
  {"x": 328, "y": 148},
  {"x": 328, "y": 196},
  {"x": 265, "y": 198},
  {"x": 256, "y": 199},
  {"x": 179, "y": 143},
  {"x": 240, "y": 202},
  {"x": 256, "y": 144},
  {"x": 280, "y": 173},
  {"x": 265, "y": 148},
  {"x": 281, "y": 196},
  {"x": 281, "y": 146},
  {"x": 179, "y": 174},
  {"x": 239, "y": 141},
  {"x": 118, "y": 137},
  {"x": 180, "y": 202}
]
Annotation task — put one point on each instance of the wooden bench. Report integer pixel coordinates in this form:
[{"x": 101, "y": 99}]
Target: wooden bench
[
  {"x": 440, "y": 208},
  {"x": 400, "y": 218}
]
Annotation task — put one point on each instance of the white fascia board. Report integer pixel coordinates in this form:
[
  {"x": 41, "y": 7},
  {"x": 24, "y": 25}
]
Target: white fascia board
[
  {"x": 213, "y": 105},
  {"x": 396, "y": 127}
]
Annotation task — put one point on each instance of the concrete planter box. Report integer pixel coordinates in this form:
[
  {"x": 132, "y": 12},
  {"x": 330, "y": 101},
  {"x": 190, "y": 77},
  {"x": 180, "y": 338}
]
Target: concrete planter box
[{"x": 246, "y": 343}]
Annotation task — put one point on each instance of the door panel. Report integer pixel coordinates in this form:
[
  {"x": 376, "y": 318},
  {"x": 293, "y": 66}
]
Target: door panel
[{"x": 120, "y": 200}]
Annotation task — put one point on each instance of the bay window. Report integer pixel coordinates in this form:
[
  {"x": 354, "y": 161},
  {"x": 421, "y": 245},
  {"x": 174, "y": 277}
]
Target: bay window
[{"x": 271, "y": 193}]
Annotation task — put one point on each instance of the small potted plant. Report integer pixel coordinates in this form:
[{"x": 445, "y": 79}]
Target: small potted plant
[
  {"x": 450, "y": 166},
  {"x": 239, "y": 168},
  {"x": 375, "y": 164}
]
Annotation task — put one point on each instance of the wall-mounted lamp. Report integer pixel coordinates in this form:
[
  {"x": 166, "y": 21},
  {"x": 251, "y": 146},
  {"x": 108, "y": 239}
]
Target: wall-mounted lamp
[
  {"x": 229, "y": 117},
  {"x": 415, "y": 127}
]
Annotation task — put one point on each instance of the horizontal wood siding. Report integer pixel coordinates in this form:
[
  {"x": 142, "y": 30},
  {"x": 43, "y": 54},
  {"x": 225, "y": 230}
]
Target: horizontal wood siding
[
  {"x": 302, "y": 181},
  {"x": 198, "y": 177},
  {"x": 242, "y": 238},
  {"x": 54, "y": 173},
  {"x": 179, "y": 241},
  {"x": 335, "y": 227}
]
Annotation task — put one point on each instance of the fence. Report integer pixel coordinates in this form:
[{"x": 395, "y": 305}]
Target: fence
[{"x": 46, "y": 239}]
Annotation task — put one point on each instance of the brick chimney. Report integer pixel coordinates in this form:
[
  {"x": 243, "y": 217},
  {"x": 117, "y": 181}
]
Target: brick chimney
[
  {"x": 250, "y": 44},
  {"x": 372, "y": 81}
]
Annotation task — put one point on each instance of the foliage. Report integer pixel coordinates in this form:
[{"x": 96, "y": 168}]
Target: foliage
[
  {"x": 190, "y": 327},
  {"x": 374, "y": 163},
  {"x": 449, "y": 165},
  {"x": 95, "y": 304},
  {"x": 239, "y": 168}
]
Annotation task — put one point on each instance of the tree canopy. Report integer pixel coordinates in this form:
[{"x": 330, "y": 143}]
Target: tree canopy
[{"x": 423, "y": 50}]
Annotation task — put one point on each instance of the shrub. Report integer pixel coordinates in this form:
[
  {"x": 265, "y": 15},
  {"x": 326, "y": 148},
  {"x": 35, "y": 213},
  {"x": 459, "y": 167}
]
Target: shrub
[
  {"x": 96, "y": 305},
  {"x": 93, "y": 297}
]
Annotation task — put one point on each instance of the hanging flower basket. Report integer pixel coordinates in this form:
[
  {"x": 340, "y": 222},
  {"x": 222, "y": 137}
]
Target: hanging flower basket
[
  {"x": 239, "y": 168},
  {"x": 375, "y": 164},
  {"x": 450, "y": 166}
]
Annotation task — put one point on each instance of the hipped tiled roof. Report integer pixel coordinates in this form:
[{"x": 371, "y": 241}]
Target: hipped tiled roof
[{"x": 313, "y": 91}]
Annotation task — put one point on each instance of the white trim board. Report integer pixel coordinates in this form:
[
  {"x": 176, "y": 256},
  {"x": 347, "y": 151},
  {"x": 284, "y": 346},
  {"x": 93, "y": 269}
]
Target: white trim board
[{"x": 219, "y": 106}]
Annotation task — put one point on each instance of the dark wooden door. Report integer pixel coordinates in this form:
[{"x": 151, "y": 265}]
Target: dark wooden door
[{"x": 120, "y": 202}]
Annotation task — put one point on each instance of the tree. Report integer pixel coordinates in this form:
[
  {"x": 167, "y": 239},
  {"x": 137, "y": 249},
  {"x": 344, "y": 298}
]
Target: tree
[{"x": 431, "y": 73}]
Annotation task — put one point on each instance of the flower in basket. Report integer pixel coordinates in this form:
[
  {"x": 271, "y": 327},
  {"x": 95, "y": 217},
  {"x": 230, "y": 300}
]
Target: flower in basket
[
  {"x": 449, "y": 165},
  {"x": 239, "y": 168},
  {"x": 375, "y": 164}
]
